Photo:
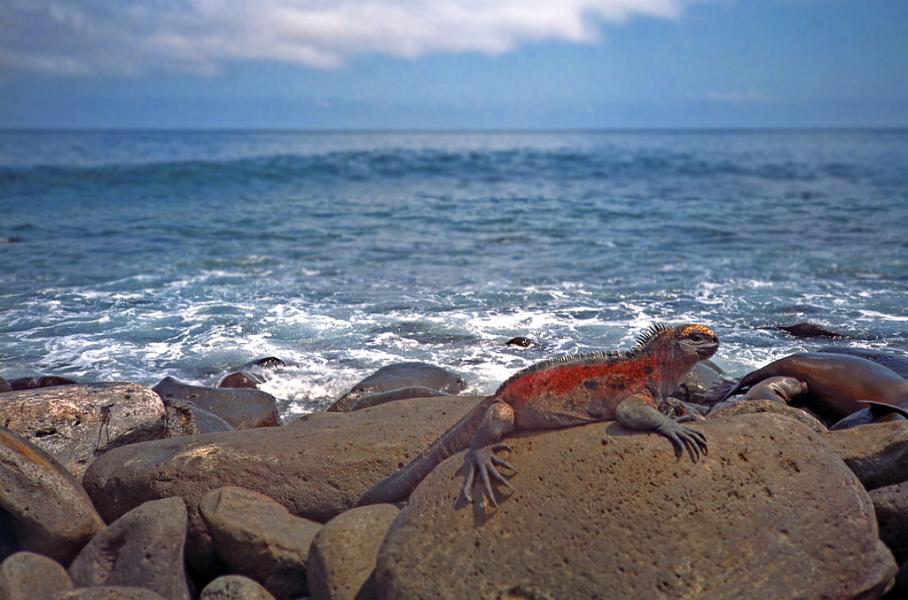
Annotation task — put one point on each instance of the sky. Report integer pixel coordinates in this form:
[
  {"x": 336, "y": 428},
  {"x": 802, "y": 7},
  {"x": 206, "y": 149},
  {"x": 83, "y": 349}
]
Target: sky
[{"x": 453, "y": 64}]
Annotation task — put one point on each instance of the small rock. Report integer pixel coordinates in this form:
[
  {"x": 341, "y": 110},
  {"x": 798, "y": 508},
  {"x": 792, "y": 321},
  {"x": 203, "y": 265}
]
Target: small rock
[
  {"x": 42, "y": 381},
  {"x": 878, "y": 453},
  {"x": 317, "y": 468},
  {"x": 240, "y": 379},
  {"x": 143, "y": 548},
  {"x": 520, "y": 342},
  {"x": 109, "y": 592},
  {"x": 234, "y": 587},
  {"x": 185, "y": 418},
  {"x": 698, "y": 383},
  {"x": 242, "y": 408},
  {"x": 343, "y": 554},
  {"x": 891, "y": 506},
  {"x": 29, "y": 576},
  {"x": 45, "y": 508},
  {"x": 5, "y": 386},
  {"x": 809, "y": 330},
  {"x": 397, "y": 376},
  {"x": 75, "y": 423},
  {"x": 257, "y": 537},
  {"x": 751, "y": 407},
  {"x": 770, "y": 512}
]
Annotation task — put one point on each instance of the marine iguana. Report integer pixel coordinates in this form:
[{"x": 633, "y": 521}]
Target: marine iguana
[{"x": 562, "y": 392}]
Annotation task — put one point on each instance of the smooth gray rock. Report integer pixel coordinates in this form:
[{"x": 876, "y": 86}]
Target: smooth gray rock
[
  {"x": 891, "y": 506},
  {"x": 44, "y": 508},
  {"x": 234, "y": 587},
  {"x": 109, "y": 592},
  {"x": 185, "y": 418},
  {"x": 257, "y": 537},
  {"x": 878, "y": 453},
  {"x": 401, "y": 375},
  {"x": 343, "y": 554},
  {"x": 242, "y": 408},
  {"x": 30, "y": 576},
  {"x": 143, "y": 548},
  {"x": 76, "y": 423}
]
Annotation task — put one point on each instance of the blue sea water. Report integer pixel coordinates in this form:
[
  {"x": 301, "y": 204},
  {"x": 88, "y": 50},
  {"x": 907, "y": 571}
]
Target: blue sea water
[{"x": 132, "y": 255}]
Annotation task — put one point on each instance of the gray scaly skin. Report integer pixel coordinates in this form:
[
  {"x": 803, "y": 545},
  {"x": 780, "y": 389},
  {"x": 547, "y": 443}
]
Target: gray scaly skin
[{"x": 574, "y": 390}]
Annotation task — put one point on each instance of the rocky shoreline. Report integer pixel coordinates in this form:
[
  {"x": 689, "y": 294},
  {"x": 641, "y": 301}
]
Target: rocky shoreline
[{"x": 115, "y": 490}]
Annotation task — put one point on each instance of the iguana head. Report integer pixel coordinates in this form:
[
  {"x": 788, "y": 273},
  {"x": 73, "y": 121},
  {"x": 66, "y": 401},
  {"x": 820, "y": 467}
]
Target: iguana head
[{"x": 688, "y": 343}]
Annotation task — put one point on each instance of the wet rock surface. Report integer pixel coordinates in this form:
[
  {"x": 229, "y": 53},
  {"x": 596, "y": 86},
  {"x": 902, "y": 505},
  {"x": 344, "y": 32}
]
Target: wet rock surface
[
  {"x": 240, "y": 379},
  {"x": 878, "y": 453},
  {"x": 143, "y": 548},
  {"x": 29, "y": 576},
  {"x": 257, "y": 537},
  {"x": 397, "y": 376},
  {"x": 316, "y": 467},
  {"x": 343, "y": 554},
  {"x": 771, "y": 511},
  {"x": 234, "y": 587},
  {"x": 75, "y": 423},
  {"x": 41, "y": 381},
  {"x": 242, "y": 408},
  {"x": 42, "y": 507}
]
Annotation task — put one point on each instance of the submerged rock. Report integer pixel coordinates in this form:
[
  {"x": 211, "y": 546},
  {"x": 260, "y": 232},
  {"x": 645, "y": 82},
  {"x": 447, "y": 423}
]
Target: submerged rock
[
  {"x": 43, "y": 509},
  {"x": 316, "y": 467},
  {"x": 240, "y": 379},
  {"x": 809, "y": 330},
  {"x": 242, "y": 408},
  {"x": 143, "y": 548},
  {"x": 257, "y": 537},
  {"x": 771, "y": 511},
  {"x": 234, "y": 587},
  {"x": 397, "y": 376},
  {"x": 30, "y": 576},
  {"x": 343, "y": 554},
  {"x": 520, "y": 342},
  {"x": 75, "y": 423}
]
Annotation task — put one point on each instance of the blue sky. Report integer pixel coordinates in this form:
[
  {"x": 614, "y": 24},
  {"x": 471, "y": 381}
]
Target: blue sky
[{"x": 453, "y": 63}]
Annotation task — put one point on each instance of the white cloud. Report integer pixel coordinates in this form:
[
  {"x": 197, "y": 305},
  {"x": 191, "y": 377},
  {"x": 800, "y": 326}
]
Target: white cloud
[{"x": 126, "y": 36}]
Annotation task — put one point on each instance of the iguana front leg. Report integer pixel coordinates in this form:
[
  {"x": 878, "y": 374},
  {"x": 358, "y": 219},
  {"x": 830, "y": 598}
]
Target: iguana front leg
[
  {"x": 497, "y": 423},
  {"x": 637, "y": 412}
]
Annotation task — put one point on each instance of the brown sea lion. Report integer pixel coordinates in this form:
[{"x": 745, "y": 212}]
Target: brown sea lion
[
  {"x": 876, "y": 412},
  {"x": 890, "y": 360},
  {"x": 837, "y": 384},
  {"x": 777, "y": 389}
]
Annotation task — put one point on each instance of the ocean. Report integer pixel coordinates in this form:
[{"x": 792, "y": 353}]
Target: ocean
[{"x": 131, "y": 255}]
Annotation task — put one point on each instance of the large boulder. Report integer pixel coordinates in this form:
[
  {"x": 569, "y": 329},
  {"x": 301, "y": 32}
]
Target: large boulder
[
  {"x": 143, "y": 548},
  {"x": 43, "y": 509},
  {"x": 770, "y": 512},
  {"x": 343, "y": 554},
  {"x": 878, "y": 453},
  {"x": 234, "y": 587},
  {"x": 397, "y": 376},
  {"x": 75, "y": 423},
  {"x": 891, "y": 506},
  {"x": 30, "y": 576},
  {"x": 241, "y": 407},
  {"x": 257, "y": 537},
  {"x": 750, "y": 407},
  {"x": 109, "y": 592},
  {"x": 316, "y": 467}
]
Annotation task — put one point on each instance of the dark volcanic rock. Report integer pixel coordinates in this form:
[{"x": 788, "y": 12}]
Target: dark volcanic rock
[
  {"x": 520, "y": 342},
  {"x": 894, "y": 362},
  {"x": 42, "y": 381},
  {"x": 343, "y": 554},
  {"x": 750, "y": 407},
  {"x": 74, "y": 423},
  {"x": 48, "y": 511},
  {"x": 109, "y": 592},
  {"x": 398, "y": 394},
  {"x": 809, "y": 330},
  {"x": 256, "y": 537},
  {"x": 234, "y": 587},
  {"x": 5, "y": 386},
  {"x": 316, "y": 467},
  {"x": 267, "y": 362},
  {"x": 878, "y": 453},
  {"x": 30, "y": 576},
  {"x": 143, "y": 548},
  {"x": 891, "y": 506},
  {"x": 242, "y": 408},
  {"x": 240, "y": 379},
  {"x": 401, "y": 375},
  {"x": 185, "y": 418},
  {"x": 697, "y": 383},
  {"x": 770, "y": 512}
]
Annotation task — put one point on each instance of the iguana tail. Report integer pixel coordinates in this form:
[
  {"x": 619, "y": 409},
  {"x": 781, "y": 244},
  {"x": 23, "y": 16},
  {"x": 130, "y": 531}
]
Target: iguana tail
[{"x": 397, "y": 487}]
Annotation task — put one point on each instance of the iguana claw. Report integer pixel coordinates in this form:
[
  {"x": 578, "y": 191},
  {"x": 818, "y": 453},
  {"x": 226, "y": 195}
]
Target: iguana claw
[
  {"x": 682, "y": 438},
  {"x": 484, "y": 460}
]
